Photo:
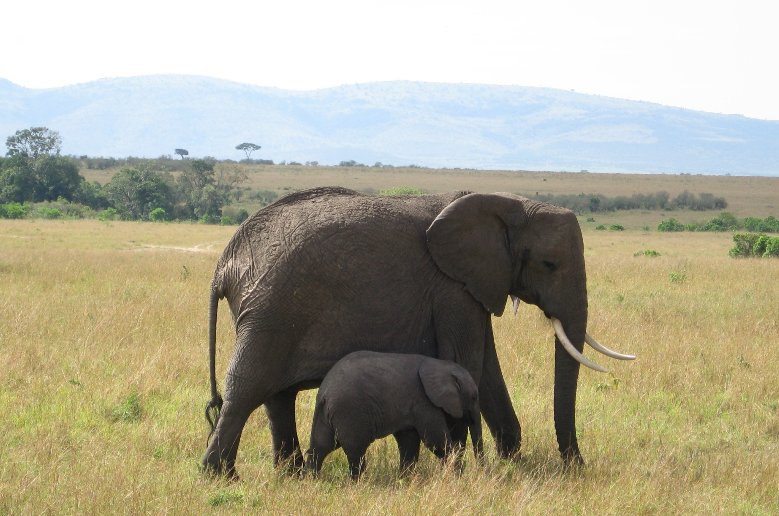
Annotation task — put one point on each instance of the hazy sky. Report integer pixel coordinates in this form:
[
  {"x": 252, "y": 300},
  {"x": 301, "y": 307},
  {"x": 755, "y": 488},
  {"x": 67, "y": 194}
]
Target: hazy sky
[{"x": 718, "y": 56}]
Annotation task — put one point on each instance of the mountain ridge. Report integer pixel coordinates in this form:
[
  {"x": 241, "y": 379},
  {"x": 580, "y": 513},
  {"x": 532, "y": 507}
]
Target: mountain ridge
[{"x": 396, "y": 122}]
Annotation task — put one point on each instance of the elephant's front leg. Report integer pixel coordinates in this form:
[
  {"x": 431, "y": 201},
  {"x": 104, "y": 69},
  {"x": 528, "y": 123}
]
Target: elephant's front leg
[
  {"x": 496, "y": 403},
  {"x": 281, "y": 418},
  {"x": 408, "y": 447}
]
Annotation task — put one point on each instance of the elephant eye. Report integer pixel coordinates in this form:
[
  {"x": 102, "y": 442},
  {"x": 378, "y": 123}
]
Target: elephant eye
[{"x": 549, "y": 265}]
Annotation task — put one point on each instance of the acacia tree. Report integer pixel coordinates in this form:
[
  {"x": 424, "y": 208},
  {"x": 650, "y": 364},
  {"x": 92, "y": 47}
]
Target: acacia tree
[
  {"x": 248, "y": 148},
  {"x": 34, "y": 170},
  {"x": 135, "y": 192},
  {"x": 182, "y": 152},
  {"x": 33, "y": 142}
]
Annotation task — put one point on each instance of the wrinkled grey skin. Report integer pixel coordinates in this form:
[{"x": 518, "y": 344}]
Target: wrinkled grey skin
[
  {"x": 369, "y": 395},
  {"x": 328, "y": 271}
]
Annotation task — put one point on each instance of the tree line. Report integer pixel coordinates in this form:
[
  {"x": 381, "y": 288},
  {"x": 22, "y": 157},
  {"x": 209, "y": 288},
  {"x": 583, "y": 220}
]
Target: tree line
[
  {"x": 593, "y": 203},
  {"x": 33, "y": 171}
]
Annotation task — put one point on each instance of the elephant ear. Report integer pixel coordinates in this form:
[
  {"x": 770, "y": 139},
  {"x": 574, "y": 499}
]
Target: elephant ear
[
  {"x": 441, "y": 386},
  {"x": 469, "y": 241}
]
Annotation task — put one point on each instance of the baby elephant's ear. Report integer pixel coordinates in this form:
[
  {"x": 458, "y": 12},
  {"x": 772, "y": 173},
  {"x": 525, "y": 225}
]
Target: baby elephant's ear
[{"x": 441, "y": 386}]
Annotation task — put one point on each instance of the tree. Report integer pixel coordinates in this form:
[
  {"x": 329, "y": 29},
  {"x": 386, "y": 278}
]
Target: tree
[
  {"x": 248, "y": 148},
  {"x": 45, "y": 178},
  {"x": 182, "y": 152},
  {"x": 33, "y": 142},
  {"x": 135, "y": 192}
]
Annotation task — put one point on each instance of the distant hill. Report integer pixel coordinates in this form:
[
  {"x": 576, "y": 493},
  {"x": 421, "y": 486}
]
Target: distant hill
[{"x": 397, "y": 123}]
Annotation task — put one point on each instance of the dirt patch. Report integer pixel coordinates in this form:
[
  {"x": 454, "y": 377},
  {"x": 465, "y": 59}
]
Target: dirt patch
[{"x": 200, "y": 248}]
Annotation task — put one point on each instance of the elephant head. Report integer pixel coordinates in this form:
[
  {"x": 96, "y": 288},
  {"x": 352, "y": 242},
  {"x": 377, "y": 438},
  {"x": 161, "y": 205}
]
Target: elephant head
[
  {"x": 501, "y": 245},
  {"x": 450, "y": 387}
]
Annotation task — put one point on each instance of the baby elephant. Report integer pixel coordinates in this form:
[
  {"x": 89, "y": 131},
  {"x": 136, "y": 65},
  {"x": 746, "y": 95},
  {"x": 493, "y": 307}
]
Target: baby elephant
[{"x": 368, "y": 395}]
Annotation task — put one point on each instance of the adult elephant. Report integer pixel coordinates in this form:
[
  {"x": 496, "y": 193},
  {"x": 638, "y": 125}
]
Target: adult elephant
[{"x": 328, "y": 271}]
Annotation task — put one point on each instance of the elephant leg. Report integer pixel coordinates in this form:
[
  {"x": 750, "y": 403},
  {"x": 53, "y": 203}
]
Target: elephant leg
[
  {"x": 355, "y": 455},
  {"x": 223, "y": 447},
  {"x": 408, "y": 447},
  {"x": 433, "y": 429},
  {"x": 323, "y": 442},
  {"x": 280, "y": 409},
  {"x": 496, "y": 403},
  {"x": 249, "y": 382},
  {"x": 458, "y": 432}
]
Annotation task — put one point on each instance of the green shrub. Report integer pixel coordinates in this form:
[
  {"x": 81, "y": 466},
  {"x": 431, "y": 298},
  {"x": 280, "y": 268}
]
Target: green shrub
[
  {"x": 108, "y": 214},
  {"x": 767, "y": 225},
  {"x": 157, "y": 215},
  {"x": 48, "y": 212},
  {"x": 128, "y": 410},
  {"x": 649, "y": 252},
  {"x": 754, "y": 244},
  {"x": 600, "y": 227},
  {"x": 14, "y": 210},
  {"x": 617, "y": 227},
  {"x": 760, "y": 245},
  {"x": 671, "y": 225},
  {"x": 772, "y": 247},
  {"x": 723, "y": 222},
  {"x": 401, "y": 190}
]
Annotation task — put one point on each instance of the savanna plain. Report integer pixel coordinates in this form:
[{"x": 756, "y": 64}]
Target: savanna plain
[{"x": 104, "y": 360}]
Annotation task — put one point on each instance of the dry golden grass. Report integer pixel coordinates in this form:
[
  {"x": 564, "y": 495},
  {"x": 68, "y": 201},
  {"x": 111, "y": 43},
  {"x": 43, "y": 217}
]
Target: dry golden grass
[
  {"x": 746, "y": 196},
  {"x": 103, "y": 353}
]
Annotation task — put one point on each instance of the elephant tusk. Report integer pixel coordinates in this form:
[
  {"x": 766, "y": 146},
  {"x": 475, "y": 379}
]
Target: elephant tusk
[
  {"x": 515, "y": 303},
  {"x": 560, "y": 332},
  {"x": 597, "y": 346}
]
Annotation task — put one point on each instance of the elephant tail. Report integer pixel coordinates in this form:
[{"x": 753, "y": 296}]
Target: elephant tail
[{"x": 215, "y": 405}]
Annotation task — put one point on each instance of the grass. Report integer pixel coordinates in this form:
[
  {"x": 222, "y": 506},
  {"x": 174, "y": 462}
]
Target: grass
[
  {"x": 746, "y": 196},
  {"x": 103, "y": 353}
]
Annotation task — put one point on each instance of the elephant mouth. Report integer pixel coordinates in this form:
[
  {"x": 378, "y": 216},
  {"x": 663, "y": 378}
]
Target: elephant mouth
[
  {"x": 566, "y": 342},
  {"x": 578, "y": 356}
]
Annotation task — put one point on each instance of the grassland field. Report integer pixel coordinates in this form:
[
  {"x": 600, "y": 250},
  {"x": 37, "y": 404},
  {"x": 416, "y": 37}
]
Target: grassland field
[{"x": 103, "y": 353}]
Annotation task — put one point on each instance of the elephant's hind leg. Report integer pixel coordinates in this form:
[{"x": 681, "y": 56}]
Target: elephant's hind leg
[
  {"x": 281, "y": 416},
  {"x": 223, "y": 447}
]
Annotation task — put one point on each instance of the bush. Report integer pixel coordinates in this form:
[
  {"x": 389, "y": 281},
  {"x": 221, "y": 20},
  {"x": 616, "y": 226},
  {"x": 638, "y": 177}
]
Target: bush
[
  {"x": 157, "y": 215},
  {"x": 600, "y": 227},
  {"x": 48, "y": 212},
  {"x": 617, "y": 227},
  {"x": 649, "y": 252},
  {"x": 14, "y": 210},
  {"x": 768, "y": 225},
  {"x": 401, "y": 190},
  {"x": 754, "y": 244},
  {"x": 108, "y": 214},
  {"x": 671, "y": 225},
  {"x": 772, "y": 248},
  {"x": 723, "y": 222}
]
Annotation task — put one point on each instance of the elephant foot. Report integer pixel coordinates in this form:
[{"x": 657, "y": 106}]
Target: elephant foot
[
  {"x": 572, "y": 458},
  {"x": 218, "y": 469},
  {"x": 292, "y": 465},
  {"x": 509, "y": 449}
]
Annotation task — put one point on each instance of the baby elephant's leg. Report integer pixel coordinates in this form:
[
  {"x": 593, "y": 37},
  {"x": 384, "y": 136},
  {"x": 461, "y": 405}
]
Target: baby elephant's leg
[
  {"x": 408, "y": 446},
  {"x": 432, "y": 428},
  {"x": 458, "y": 430},
  {"x": 322, "y": 443},
  {"x": 355, "y": 454}
]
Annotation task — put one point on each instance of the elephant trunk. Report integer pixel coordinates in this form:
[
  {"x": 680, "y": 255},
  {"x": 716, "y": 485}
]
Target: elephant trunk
[{"x": 565, "y": 383}]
